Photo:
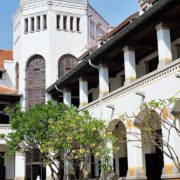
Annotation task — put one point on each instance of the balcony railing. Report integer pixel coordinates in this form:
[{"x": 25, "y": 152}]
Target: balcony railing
[
  {"x": 5, "y": 127},
  {"x": 145, "y": 80}
]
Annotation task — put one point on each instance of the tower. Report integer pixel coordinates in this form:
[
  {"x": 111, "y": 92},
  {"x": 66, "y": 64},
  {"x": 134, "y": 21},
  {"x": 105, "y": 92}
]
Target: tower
[{"x": 44, "y": 32}]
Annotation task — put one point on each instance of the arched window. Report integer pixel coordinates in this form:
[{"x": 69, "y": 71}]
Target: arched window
[
  {"x": 17, "y": 76},
  {"x": 35, "y": 81},
  {"x": 66, "y": 63}
]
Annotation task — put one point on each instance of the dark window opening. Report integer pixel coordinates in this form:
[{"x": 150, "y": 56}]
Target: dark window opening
[
  {"x": 34, "y": 166},
  {"x": 78, "y": 24},
  {"x": 4, "y": 118},
  {"x": 65, "y": 22},
  {"x": 152, "y": 64},
  {"x": 66, "y": 63},
  {"x": 26, "y": 25},
  {"x": 71, "y": 23},
  {"x": 38, "y": 23},
  {"x": 1, "y": 74},
  {"x": 58, "y": 21},
  {"x": 90, "y": 97},
  {"x": 44, "y": 22},
  {"x": 32, "y": 24}
]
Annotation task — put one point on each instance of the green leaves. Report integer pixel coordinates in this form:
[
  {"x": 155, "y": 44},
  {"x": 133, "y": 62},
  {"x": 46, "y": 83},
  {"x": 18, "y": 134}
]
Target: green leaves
[{"x": 59, "y": 133}]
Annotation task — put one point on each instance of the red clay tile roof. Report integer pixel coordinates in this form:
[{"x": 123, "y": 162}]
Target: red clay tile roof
[
  {"x": 5, "y": 55},
  {"x": 7, "y": 90},
  {"x": 120, "y": 26}
]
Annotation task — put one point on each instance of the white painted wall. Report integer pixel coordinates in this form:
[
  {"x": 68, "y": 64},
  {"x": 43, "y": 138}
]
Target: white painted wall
[{"x": 10, "y": 166}]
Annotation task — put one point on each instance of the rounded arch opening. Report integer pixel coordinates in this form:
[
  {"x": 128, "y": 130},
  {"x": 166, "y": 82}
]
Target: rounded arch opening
[
  {"x": 149, "y": 123},
  {"x": 66, "y": 63},
  {"x": 35, "y": 81},
  {"x": 120, "y": 160}
]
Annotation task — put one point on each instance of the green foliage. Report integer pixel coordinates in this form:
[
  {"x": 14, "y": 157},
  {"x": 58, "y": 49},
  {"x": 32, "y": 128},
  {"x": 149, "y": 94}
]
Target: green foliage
[{"x": 59, "y": 132}]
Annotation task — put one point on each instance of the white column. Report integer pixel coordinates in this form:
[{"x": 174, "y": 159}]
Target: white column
[
  {"x": 67, "y": 97},
  {"x": 61, "y": 21},
  {"x": 74, "y": 24},
  {"x": 129, "y": 64},
  {"x": 67, "y": 101},
  {"x": 83, "y": 91},
  {"x": 135, "y": 154},
  {"x": 19, "y": 166},
  {"x": 48, "y": 173},
  {"x": 164, "y": 44},
  {"x": 110, "y": 171},
  {"x": 169, "y": 170},
  {"x": 41, "y": 22},
  {"x": 68, "y": 22},
  {"x": 35, "y": 23},
  {"x": 29, "y": 24},
  {"x": 109, "y": 145},
  {"x": 103, "y": 80}
]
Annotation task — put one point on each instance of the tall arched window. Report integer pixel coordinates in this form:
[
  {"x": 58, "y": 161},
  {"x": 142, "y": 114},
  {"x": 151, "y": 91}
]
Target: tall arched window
[
  {"x": 17, "y": 76},
  {"x": 66, "y": 63},
  {"x": 35, "y": 81}
]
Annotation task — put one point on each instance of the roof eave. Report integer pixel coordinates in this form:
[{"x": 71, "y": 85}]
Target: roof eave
[{"x": 113, "y": 40}]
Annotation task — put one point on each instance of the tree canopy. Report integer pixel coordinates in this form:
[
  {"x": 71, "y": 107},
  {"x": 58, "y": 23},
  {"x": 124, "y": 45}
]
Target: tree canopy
[{"x": 60, "y": 133}]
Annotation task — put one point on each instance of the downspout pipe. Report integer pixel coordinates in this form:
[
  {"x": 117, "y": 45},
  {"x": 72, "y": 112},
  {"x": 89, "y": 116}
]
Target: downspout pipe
[
  {"x": 90, "y": 63},
  {"x": 59, "y": 90},
  {"x": 94, "y": 66}
]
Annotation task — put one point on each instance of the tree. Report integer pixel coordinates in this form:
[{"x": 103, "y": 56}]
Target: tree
[
  {"x": 60, "y": 134},
  {"x": 157, "y": 122}
]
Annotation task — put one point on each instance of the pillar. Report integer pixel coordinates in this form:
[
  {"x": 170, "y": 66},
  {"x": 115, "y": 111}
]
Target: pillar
[
  {"x": 135, "y": 154},
  {"x": 68, "y": 23},
  {"x": 29, "y": 24},
  {"x": 48, "y": 173},
  {"x": 19, "y": 166},
  {"x": 83, "y": 91},
  {"x": 67, "y": 101},
  {"x": 129, "y": 64},
  {"x": 41, "y": 22},
  {"x": 103, "y": 80},
  {"x": 35, "y": 23},
  {"x": 74, "y": 24},
  {"x": 164, "y": 44},
  {"x": 67, "y": 97},
  {"x": 110, "y": 146},
  {"x": 170, "y": 172},
  {"x": 110, "y": 172},
  {"x": 61, "y": 21}
]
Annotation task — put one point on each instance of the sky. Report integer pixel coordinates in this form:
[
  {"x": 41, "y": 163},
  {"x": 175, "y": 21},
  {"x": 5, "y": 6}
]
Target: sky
[{"x": 114, "y": 11}]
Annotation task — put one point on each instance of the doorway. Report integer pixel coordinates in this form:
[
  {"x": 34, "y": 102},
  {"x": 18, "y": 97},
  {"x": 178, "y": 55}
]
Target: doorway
[{"x": 154, "y": 162}]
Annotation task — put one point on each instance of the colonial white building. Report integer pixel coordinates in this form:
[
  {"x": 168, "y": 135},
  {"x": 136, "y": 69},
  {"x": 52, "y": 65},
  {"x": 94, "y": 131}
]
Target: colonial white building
[
  {"x": 137, "y": 62},
  {"x": 48, "y": 38},
  {"x": 57, "y": 40}
]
